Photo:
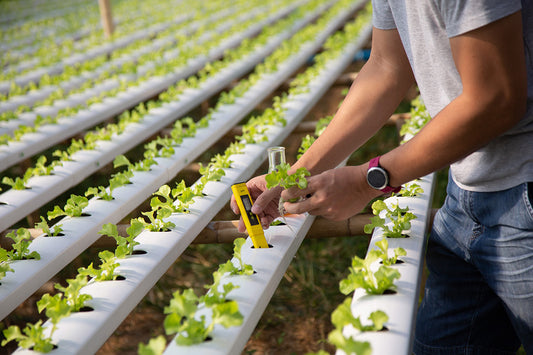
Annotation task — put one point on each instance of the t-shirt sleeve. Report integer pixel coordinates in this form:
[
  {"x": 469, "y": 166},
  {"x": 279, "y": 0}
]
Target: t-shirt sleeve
[
  {"x": 461, "y": 16},
  {"x": 382, "y": 15}
]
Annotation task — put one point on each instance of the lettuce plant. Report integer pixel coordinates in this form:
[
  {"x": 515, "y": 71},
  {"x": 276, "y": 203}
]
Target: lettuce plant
[
  {"x": 4, "y": 263},
  {"x": 125, "y": 245},
  {"x": 383, "y": 252},
  {"x": 281, "y": 177},
  {"x": 106, "y": 271},
  {"x": 22, "y": 241},
  {"x": 50, "y": 232},
  {"x": 31, "y": 337},
  {"x": 242, "y": 268},
  {"x": 400, "y": 219},
  {"x": 72, "y": 293},
  {"x": 343, "y": 316},
  {"x": 362, "y": 276},
  {"x": 411, "y": 190},
  {"x": 73, "y": 208}
]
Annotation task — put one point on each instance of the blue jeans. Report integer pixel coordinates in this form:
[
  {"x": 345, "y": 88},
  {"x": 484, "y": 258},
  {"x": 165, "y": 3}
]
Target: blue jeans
[{"x": 479, "y": 292}]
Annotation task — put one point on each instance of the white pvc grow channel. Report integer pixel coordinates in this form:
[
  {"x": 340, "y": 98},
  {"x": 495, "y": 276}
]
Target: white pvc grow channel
[{"x": 401, "y": 307}]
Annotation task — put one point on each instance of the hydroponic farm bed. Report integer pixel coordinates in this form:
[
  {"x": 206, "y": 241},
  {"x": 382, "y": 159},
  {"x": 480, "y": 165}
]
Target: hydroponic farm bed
[{"x": 140, "y": 107}]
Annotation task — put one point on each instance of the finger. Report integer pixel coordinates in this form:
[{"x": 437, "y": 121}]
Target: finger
[
  {"x": 299, "y": 207},
  {"x": 295, "y": 192},
  {"x": 233, "y": 205},
  {"x": 265, "y": 221},
  {"x": 241, "y": 227},
  {"x": 264, "y": 199}
]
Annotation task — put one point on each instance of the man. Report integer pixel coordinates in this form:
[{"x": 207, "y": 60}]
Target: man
[{"x": 471, "y": 62}]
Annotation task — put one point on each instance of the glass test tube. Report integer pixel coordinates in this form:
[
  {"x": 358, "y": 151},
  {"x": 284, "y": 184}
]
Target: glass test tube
[{"x": 276, "y": 157}]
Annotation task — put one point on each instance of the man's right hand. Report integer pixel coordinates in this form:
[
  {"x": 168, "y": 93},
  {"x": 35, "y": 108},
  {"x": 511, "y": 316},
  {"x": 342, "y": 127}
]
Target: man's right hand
[{"x": 265, "y": 202}]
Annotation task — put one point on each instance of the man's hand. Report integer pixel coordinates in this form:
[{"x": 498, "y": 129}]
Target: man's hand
[
  {"x": 265, "y": 202},
  {"x": 335, "y": 194}
]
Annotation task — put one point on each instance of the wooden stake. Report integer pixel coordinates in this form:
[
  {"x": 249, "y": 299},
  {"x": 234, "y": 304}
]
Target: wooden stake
[{"x": 106, "y": 17}]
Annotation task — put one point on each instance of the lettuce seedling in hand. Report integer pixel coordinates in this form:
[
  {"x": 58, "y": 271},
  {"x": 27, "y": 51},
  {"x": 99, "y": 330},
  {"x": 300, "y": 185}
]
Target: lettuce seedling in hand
[{"x": 280, "y": 177}]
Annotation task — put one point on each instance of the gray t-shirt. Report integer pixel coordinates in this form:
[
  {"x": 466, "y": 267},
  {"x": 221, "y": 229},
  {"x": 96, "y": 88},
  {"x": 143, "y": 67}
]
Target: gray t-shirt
[{"x": 425, "y": 27}]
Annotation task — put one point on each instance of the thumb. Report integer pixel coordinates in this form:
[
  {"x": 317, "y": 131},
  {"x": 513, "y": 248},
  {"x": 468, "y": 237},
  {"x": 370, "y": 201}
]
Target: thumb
[{"x": 265, "y": 198}]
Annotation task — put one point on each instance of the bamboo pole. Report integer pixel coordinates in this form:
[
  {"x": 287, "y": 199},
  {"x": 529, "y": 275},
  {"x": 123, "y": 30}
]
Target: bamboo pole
[
  {"x": 226, "y": 231},
  {"x": 106, "y": 17}
]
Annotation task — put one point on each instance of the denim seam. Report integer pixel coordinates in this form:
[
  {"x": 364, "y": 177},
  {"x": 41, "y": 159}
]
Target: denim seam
[{"x": 528, "y": 194}]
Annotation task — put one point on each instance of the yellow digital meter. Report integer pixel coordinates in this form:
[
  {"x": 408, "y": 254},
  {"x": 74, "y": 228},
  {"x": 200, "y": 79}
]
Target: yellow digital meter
[{"x": 251, "y": 221}]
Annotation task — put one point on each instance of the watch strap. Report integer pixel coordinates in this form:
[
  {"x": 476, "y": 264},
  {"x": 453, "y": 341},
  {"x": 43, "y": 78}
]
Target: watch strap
[{"x": 374, "y": 162}]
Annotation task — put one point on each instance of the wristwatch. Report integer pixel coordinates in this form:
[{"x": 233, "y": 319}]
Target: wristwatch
[{"x": 378, "y": 178}]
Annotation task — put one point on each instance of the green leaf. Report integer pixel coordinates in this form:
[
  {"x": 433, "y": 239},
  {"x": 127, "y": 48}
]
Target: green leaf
[
  {"x": 227, "y": 314},
  {"x": 156, "y": 346},
  {"x": 183, "y": 303},
  {"x": 194, "y": 332},
  {"x": 349, "y": 345},
  {"x": 378, "y": 318},
  {"x": 135, "y": 228},
  {"x": 56, "y": 212},
  {"x": 110, "y": 230},
  {"x": 173, "y": 323}
]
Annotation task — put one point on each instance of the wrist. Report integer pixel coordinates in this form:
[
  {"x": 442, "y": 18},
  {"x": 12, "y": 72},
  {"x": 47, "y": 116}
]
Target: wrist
[{"x": 378, "y": 177}]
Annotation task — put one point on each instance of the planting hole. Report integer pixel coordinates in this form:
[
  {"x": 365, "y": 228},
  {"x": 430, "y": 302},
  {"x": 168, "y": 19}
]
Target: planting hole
[
  {"x": 269, "y": 246},
  {"x": 29, "y": 258},
  {"x": 120, "y": 278},
  {"x": 402, "y": 237},
  {"x": 55, "y": 347},
  {"x": 102, "y": 199},
  {"x": 86, "y": 309},
  {"x": 139, "y": 252},
  {"x": 389, "y": 292},
  {"x": 60, "y": 234},
  {"x": 398, "y": 261}
]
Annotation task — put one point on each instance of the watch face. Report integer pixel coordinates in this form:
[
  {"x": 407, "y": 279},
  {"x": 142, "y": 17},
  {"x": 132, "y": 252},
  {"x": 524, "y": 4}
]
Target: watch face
[{"x": 377, "y": 178}]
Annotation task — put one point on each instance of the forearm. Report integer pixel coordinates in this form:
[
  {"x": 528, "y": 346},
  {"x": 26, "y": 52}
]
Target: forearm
[{"x": 373, "y": 97}]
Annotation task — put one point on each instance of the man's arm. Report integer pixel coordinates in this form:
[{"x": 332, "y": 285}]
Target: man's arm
[
  {"x": 490, "y": 61},
  {"x": 374, "y": 95}
]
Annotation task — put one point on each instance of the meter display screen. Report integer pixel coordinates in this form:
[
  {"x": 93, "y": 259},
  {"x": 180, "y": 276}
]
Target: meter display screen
[{"x": 248, "y": 207}]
